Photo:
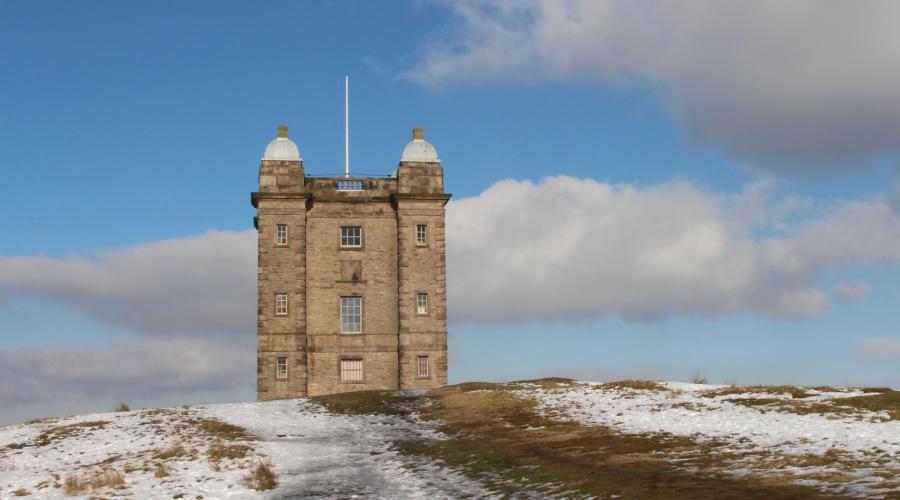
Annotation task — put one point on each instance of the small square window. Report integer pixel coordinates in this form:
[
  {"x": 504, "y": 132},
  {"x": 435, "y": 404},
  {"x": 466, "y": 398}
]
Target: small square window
[
  {"x": 281, "y": 368},
  {"x": 281, "y": 234},
  {"x": 351, "y": 314},
  {"x": 421, "y": 234},
  {"x": 351, "y": 237},
  {"x": 281, "y": 304},
  {"x": 351, "y": 370},
  {"x": 422, "y": 368},
  {"x": 421, "y": 303}
]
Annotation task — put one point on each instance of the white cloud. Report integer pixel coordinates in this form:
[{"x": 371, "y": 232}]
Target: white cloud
[
  {"x": 849, "y": 292},
  {"x": 127, "y": 371},
  {"x": 879, "y": 347},
  {"x": 193, "y": 286},
  {"x": 568, "y": 248},
  {"x": 521, "y": 251},
  {"x": 789, "y": 85}
]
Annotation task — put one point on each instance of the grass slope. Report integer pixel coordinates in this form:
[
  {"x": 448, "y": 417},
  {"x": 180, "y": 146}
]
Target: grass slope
[{"x": 502, "y": 441}]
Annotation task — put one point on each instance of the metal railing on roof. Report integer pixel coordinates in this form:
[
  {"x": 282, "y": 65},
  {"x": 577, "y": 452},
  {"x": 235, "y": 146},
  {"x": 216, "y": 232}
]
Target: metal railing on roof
[
  {"x": 350, "y": 185},
  {"x": 354, "y": 177}
]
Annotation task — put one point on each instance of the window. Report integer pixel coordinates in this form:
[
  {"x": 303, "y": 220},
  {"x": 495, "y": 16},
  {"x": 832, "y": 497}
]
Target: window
[
  {"x": 351, "y": 370},
  {"x": 351, "y": 314},
  {"x": 421, "y": 303},
  {"x": 281, "y": 235},
  {"x": 281, "y": 304},
  {"x": 351, "y": 237},
  {"x": 281, "y": 368},
  {"x": 421, "y": 234},
  {"x": 422, "y": 367}
]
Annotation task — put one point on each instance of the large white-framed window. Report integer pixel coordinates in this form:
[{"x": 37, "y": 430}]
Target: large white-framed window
[
  {"x": 421, "y": 303},
  {"x": 351, "y": 314},
  {"x": 421, "y": 234},
  {"x": 281, "y": 368},
  {"x": 351, "y": 237},
  {"x": 351, "y": 370},
  {"x": 281, "y": 304},
  {"x": 281, "y": 235},
  {"x": 422, "y": 368}
]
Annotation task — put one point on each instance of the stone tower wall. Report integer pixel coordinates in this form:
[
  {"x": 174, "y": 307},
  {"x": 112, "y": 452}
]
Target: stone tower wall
[
  {"x": 377, "y": 259},
  {"x": 422, "y": 269},
  {"x": 281, "y": 269},
  {"x": 387, "y": 272}
]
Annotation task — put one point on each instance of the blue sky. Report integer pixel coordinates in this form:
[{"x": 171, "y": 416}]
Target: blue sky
[{"x": 128, "y": 124}]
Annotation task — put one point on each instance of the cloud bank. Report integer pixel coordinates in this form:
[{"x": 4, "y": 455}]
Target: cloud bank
[
  {"x": 879, "y": 347},
  {"x": 127, "y": 371},
  {"x": 786, "y": 85},
  {"x": 188, "y": 286},
  {"x": 560, "y": 248},
  {"x": 523, "y": 251},
  {"x": 577, "y": 248}
]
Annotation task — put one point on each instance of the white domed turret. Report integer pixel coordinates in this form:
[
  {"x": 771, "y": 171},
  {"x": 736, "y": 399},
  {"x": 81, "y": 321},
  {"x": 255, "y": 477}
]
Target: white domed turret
[
  {"x": 418, "y": 150},
  {"x": 282, "y": 148}
]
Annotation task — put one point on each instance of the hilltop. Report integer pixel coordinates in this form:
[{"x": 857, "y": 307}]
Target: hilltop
[{"x": 541, "y": 438}]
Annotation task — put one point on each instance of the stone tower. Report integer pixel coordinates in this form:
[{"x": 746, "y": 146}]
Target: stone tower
[{"x": 352, "y": 276}]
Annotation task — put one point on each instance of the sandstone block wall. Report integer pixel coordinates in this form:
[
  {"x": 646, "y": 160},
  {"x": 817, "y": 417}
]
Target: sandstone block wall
[{"x": 387, "y": 272}]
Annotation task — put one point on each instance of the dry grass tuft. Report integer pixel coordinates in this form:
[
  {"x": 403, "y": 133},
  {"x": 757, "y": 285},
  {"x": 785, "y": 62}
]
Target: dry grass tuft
[
  {"x": 219, "y": 451},
  {"x": 261, "y": 477},
  {"x": 42, "y": 420},
  {"x": 60, "y": 432},
  {"x": 161, "y": 471},
  {"x": 73, "y": 485},
  {"x": 546, "y": 383},
  {"x": 176, "y": 450},
  {"x": 887, "y": 401},
  {"x": 868, "y": 390},
  {"x": 698, "y": 378},
  {"x": 122, "y": 407},
  {"x": 222, "y": 430},
  {"x": 480, "y": 386},
  {"x": 21, "y": 492},
  {"x": 794, "y": 391},
  {"x": 93, "y": 480},
  {"x": 644, "y": 385}
]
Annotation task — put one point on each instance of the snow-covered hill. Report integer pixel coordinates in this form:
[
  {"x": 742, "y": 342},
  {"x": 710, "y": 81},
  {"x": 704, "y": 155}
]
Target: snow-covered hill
[
  {"x": 807, "y": 436},
  {"x": 312, "y": 451}
]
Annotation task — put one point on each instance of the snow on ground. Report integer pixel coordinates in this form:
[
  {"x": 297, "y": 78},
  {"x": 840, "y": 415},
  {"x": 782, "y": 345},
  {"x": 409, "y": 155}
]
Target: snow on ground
[
  {"x": 327, "y": 455},
  {"x": 314, "y": 453},
  {"x": 866, "y": 445}
]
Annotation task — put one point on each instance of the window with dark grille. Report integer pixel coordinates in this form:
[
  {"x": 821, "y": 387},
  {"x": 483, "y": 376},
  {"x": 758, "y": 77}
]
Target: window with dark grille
[
  {"x": 351, "y": 370},
  {"x": 351, "y": 237},
  {"x": 281, "y": 304},
  {"x": 351, "y": 314},
  {"x": 421, "y": 303},
  {"x": 422, "y": 366},
  {"x": 421, "y": 234}
]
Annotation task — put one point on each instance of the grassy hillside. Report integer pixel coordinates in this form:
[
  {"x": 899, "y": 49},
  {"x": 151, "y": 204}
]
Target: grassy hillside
[
  {"x": 505, "y": 442},
  {"x": 528, "y": 439}
]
